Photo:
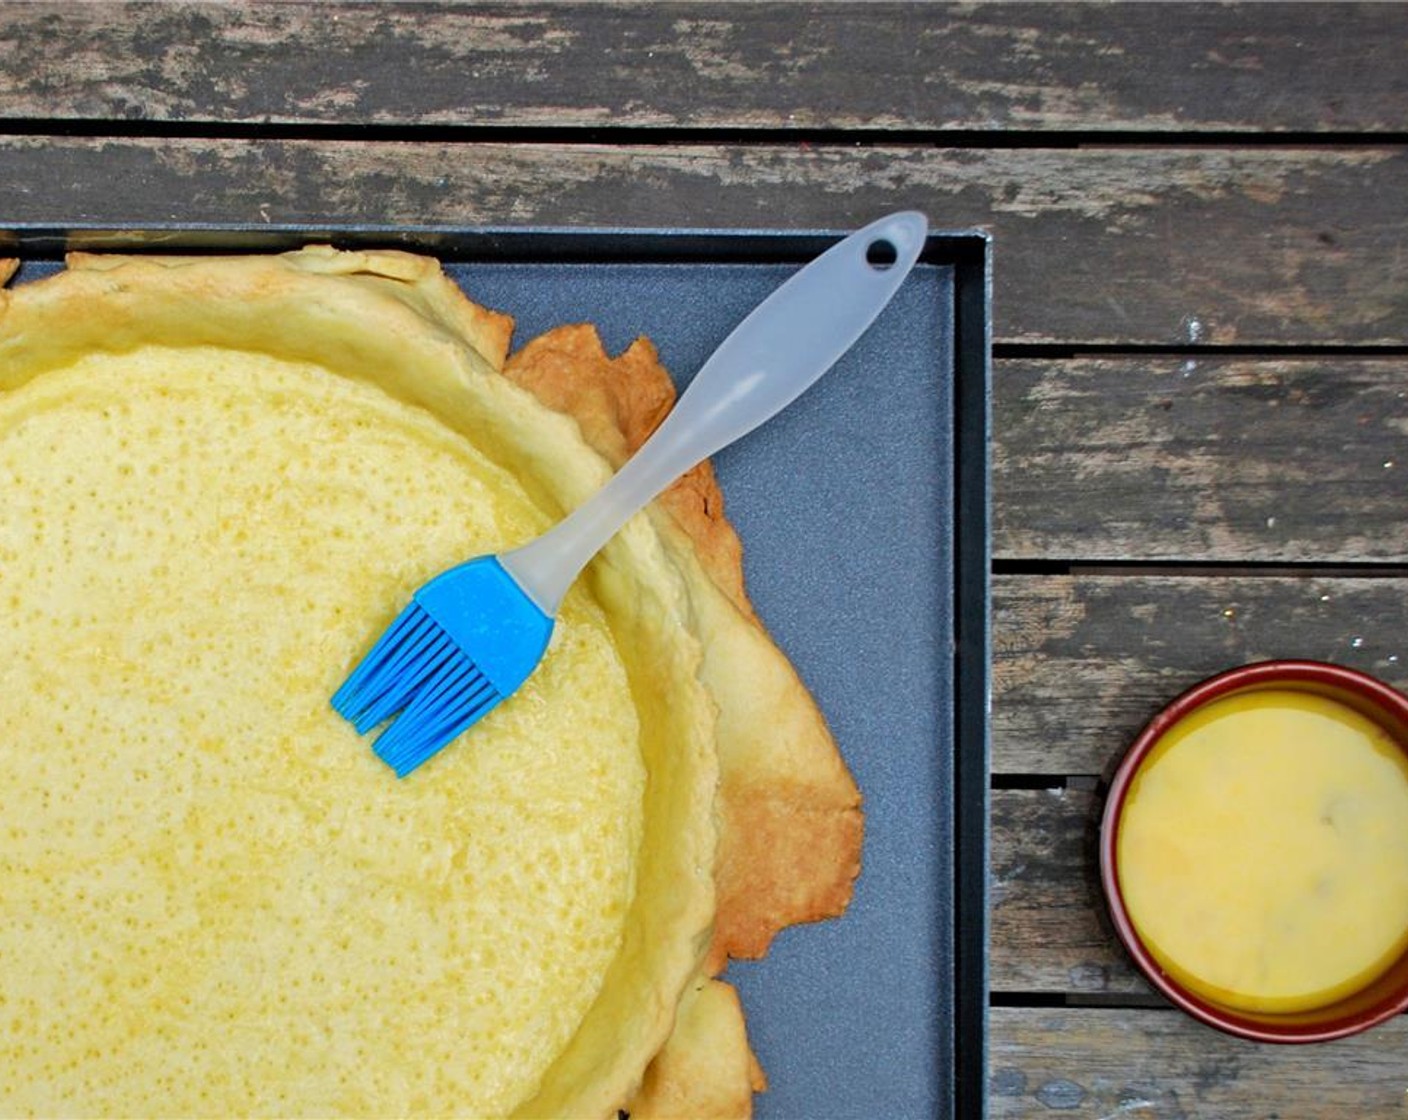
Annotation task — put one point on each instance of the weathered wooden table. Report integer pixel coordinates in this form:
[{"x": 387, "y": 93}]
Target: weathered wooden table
[{"x": 1201, "y": 339}]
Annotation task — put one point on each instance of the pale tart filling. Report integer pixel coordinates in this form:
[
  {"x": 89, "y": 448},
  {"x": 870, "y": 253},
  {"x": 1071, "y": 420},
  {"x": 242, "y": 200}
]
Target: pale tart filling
[{"x": 213, "y": 898}]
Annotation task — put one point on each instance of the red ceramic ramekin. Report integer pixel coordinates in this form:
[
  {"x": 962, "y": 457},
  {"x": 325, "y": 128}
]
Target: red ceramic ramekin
[{"x": 1382, "y": 998}]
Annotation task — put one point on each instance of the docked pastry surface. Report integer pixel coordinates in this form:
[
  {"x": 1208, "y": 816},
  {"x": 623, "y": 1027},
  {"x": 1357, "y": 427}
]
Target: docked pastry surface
[{"x": 223, "y": 477}]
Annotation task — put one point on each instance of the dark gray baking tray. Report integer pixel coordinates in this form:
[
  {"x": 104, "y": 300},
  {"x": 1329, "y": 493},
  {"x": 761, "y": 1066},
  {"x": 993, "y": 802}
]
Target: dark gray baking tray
[{"x": 863, "y": 512}]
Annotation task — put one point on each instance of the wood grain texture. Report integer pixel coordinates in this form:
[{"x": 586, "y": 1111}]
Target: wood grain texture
[
  {"x": 1048, "y": 929},
  {"x": 1201, "y": 459},
  {"x": 1092, "y": 245},
  {"x": 1162, "y": 1065},
  {"x": 930, "y": 67},
  {"x": 1082, "y": 662}
]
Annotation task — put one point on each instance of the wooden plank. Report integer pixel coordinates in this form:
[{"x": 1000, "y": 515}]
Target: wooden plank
[
  {"x": 933, "y": 67},
  {"x": 1082, "y": 662},
  {"x": 1201, "y": 459},
  {"x": 1093, "y": 245},
  {"x": 1048, "y": 927},
  {"x": 1162, "y": 1065},
  {"x": 1049, "y": 931}
]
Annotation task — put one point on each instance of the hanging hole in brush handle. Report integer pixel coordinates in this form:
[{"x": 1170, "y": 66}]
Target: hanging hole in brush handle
[{"x": 881, "y": 254}]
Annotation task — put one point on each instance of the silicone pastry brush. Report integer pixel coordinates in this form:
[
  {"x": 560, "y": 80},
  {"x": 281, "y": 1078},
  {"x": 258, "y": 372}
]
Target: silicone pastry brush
[{"x": 472, "y": 635}]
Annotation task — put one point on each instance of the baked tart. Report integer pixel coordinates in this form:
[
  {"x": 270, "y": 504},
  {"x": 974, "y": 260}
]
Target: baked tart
[{"x": 219, "y": 479}]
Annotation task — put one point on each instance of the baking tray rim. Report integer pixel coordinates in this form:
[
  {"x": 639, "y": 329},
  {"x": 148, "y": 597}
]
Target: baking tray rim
[{"x": 968, "y": 252}]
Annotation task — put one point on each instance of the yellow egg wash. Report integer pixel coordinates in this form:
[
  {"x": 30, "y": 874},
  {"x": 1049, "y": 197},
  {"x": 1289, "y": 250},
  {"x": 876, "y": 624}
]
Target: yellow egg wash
[
  {"x": 214, "y": 899},
  {"x": 1263, "y": 851}
]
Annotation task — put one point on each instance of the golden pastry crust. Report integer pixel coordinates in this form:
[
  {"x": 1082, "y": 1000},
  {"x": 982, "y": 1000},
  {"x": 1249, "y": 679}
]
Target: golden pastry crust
[
  {"x": 791, "y": 820},
  {"x": 705, "y": 1071},
  {"x": 787, "y": 809},
  {"x": 410, "y": 339},
  {"x": 619, "y": 402},
  {"x": 793, "y": 825}
]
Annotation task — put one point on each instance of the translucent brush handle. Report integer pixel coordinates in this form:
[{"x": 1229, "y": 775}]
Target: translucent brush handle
[{"x": 787, "y": 343}]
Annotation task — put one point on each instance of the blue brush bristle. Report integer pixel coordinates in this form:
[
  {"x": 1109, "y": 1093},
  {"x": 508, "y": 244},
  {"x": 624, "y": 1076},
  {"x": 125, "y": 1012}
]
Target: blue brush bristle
[
  {"x": 454, "y": 698},
  {"x": 414, "y": 669},
  {"x": 383, "y": 683},
  {"x": 469, "y": 638}
]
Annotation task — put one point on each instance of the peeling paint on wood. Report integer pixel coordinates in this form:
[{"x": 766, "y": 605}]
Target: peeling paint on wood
[
  {"x": 911, "y": 67},
  {"x": 1081, "y": 663},
  {"x": 1162, "y": 1065},
  {"x": 1113, "y": 246},
  {"x": 1266, "y": 461},
  {"x": 1048, "y": 927}
]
